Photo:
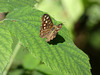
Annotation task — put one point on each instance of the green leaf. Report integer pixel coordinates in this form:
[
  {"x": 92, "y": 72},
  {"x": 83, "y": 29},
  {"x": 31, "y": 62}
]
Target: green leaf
[
  {"x": 16, "y": 72},
  {"x": 43, "y": 68},
  {"x": 5, "y": 48},
  {"x": 38, "y": 73},
  {"x": 63, "y": 56},
  {"x": 30, "y": 62},
  {"x": 9, "y": 5}
]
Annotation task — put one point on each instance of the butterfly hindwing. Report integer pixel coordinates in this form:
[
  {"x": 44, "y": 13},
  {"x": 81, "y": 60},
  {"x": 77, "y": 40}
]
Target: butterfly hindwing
[{"x": 57, "y": 28}]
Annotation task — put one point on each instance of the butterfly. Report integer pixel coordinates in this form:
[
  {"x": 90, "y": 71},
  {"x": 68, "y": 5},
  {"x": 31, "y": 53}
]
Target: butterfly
[{"x": 48, "y": 30}]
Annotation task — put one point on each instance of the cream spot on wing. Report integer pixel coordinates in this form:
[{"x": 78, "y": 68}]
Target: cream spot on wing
[
  {"x": 44, "y": 24},
  {"x": 46, "y": 21},
  {"x": 44, "y": 27},
  {"x": 47, "y": 17},
  {"x": 57, "y": 28}
]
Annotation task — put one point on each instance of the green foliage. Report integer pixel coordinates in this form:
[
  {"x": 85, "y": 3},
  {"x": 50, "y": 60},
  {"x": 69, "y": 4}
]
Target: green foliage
[
  {"x": 16, "y": 72},
  {"x": 73, "y": 5},
  {"x": 95, "y": 39},
  {"x": 45, "y": 69},
  {"x": 30, "y": 62},
  {"x": 5, "y": 47},
  {"x": 10, "y": 5},
  {"x": 64, "y": 56},
  {"x": 24, "y": 22},
  {"x": 94, "y": 16}
]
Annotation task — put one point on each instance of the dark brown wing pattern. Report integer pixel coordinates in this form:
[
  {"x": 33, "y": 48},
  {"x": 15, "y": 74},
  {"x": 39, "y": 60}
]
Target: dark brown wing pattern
[{"x": 46, "y": 25}]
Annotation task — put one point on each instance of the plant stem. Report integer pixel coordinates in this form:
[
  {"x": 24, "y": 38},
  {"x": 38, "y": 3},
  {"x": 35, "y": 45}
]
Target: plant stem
[{"x": 17, "y": 47}]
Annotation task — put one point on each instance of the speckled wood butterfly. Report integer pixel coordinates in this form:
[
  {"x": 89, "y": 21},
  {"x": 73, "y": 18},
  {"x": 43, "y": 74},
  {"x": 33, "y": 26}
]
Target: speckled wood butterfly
[{"x": 47, "y": 29}]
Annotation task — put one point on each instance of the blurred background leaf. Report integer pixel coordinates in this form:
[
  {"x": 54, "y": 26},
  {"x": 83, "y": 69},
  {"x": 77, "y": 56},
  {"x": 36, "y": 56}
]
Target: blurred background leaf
[{"x": 95, "y": 39}]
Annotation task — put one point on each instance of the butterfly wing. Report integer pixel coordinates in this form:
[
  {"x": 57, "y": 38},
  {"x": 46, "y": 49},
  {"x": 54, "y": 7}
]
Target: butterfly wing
[
  {"x": 59, "y": 27},
  {"x": 53, "y": 35},
  {"x": 46, "y": 26}
]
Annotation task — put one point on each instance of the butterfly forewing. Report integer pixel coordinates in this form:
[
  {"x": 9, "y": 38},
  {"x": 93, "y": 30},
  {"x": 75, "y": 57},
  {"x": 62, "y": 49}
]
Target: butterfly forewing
[
  {"x": 46, "y": 22},
  {"x": 46, "y": 25}
]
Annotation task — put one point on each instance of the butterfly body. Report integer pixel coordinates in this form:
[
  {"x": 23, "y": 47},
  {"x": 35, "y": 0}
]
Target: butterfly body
[{"x": 47, "y": 29}]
